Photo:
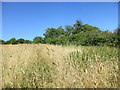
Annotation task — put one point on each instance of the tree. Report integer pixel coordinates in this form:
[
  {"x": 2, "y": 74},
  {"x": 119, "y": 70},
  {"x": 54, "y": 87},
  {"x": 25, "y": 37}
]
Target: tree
[
  {"x": 27, "y": 41},
  {"x": 88, "y": 27},
  {"x": 20, "y": 41},
  {"x": 53, "y": 32},
  {"x": 117, "y": 37},
  {"x": 11, "y": 41},
  {"x": 69, "y": 30},
  {"x": 78, "y": 34},
  {"x": 50, "y": 33},
  {"x": 62, "y": 40},
  {"x": 77, "y": 27},
  {"x": 60, "y": 31},
  {"x": 2, "y": 41},
  {"x": 37, "y": 40}
]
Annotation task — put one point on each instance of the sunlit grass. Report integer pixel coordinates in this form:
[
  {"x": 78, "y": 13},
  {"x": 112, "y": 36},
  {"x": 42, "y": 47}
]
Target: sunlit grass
[
  {"x": 96, "y": 65},
  {"x": 51, "y": 66}
]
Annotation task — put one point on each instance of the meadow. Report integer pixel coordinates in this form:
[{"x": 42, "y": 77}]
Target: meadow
[{"x": 57, "y": 66}]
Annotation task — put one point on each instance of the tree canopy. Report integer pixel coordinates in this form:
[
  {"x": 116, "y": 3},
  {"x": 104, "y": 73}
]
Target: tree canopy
[{"x": 76, "y": 34}]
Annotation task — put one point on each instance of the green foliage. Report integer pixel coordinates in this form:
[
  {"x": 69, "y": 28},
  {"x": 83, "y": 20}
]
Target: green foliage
[
  {"x": 2, "y": 41},
  {"x": 6, "y": 42},
  {"x": 17, "y": 41},
  {"x": 62, "y": 39},
  {"x": 117, "y": 37},
  {"x": 20, "y": 41},
  {"x": 37, "y": 40},
  {"x": 53, "y": 33},
  {"x": 11, "y": 41},
  {"x": 88, "y": 27},
  {"x": 78, "y": 34},
  {"x": 69, "y": 30},
  {"x": 27, "y": 41},
  {"x": 77, "y": 27}
]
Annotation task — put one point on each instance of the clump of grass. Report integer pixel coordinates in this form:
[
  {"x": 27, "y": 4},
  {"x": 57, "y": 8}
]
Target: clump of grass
[
  {"x": 96, "y": 66},
  {"x": 39, "y": 75}
]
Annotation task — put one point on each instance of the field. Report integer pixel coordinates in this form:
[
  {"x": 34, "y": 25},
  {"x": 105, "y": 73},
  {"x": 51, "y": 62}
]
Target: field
[{"x": 52, "y": 66}]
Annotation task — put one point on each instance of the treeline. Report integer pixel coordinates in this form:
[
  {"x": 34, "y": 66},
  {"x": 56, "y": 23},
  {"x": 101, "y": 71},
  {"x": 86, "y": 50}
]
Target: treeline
[{"x": 77, "y": 34}]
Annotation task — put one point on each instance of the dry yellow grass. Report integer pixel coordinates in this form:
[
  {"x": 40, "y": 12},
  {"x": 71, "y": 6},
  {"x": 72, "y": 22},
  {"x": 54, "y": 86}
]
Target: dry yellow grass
[
  {"x": 0, "y": 66},
  {"x": 40, "y": 65}
]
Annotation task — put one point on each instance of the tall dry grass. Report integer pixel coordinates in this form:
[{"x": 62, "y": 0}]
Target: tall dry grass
[
  {"x": 0, "y": 66},
  {"x": 52, "y": 66}
]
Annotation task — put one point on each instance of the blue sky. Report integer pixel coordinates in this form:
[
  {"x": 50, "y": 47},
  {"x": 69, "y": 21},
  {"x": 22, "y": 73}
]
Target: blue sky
[{"x": 30, "y": 19}]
